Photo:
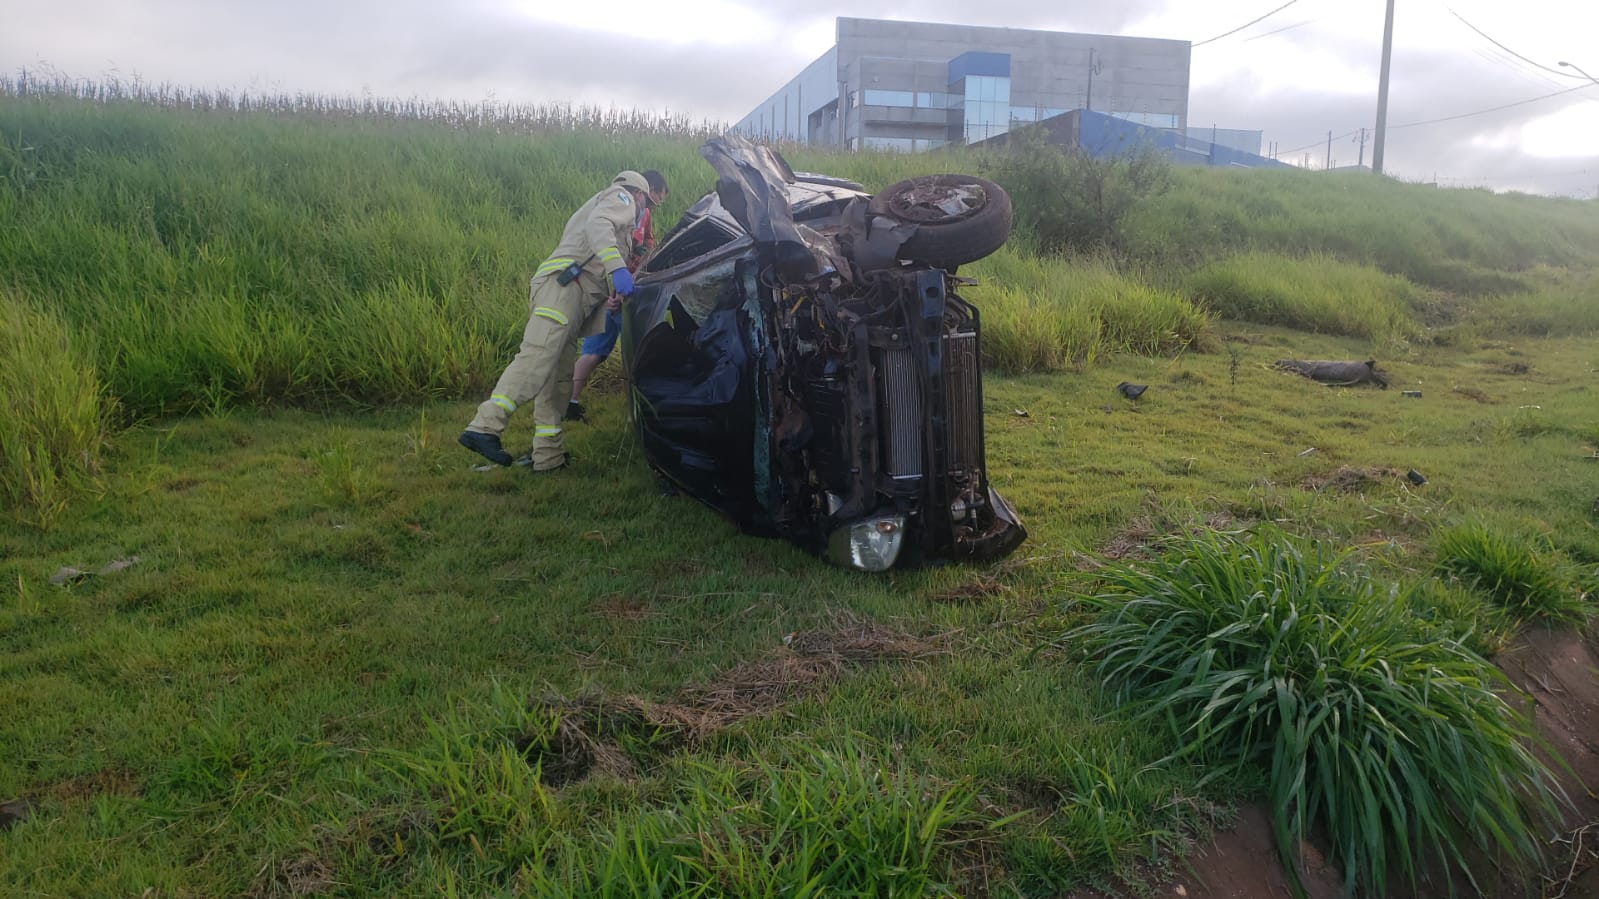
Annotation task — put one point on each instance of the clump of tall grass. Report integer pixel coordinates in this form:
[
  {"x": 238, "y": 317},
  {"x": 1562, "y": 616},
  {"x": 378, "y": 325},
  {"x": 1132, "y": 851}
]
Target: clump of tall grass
[
  {"x": 1260, "y": 653},
  {"x": 1315, "y": 293},
  {"x": 1051, "y": 314},
  {"x": 1528, "y": 577},
  {"x": 55, "y": 423},
  {"x": 818, "y": 822}
]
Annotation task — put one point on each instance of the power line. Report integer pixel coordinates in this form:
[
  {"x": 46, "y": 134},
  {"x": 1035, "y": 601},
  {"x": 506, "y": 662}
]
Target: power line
[
  {"x": 1451, "y": 118},
  {"x": 1280, "y": 30},
  {"x": 1246, "y": 24},
  {"x": 1467, "y": 115},
  {"x": 1490, "y": 40},
  {"x": 1521, "y": 72},
  {"x": 1318, "y": 143}
]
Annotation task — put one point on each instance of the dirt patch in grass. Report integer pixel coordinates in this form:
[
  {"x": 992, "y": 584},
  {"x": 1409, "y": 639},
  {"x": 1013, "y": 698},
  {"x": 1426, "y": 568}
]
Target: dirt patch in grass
[
  {"x": 620, "y": 736},
  {"x": 1139, "y": 538},
  {"x": 1513, "y": 368},
  {"x": 105, "y": 782},
  {"x": 1243, "y": 863},
  {"x": 1349, "y": 479},
  {"x": 1475, "y": 394},
  {"x": 304, "y": 875},
  {"x": 1557, "y": 669},
  {"x": 1132, "y": 541},
  {"x": 978, "y": 589},
  {"x": 584, "y": 742},
  {"x": 374, "y": 838},
  {"x": 622, "y": 608}
]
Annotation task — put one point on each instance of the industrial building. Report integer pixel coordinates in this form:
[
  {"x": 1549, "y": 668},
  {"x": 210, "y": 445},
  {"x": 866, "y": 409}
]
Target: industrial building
[{"x": 918, "y": 85}]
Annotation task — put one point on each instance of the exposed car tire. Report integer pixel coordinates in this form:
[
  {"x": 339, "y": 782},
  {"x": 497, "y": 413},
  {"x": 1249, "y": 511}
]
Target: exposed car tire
[{"x": 960, "y": 218}]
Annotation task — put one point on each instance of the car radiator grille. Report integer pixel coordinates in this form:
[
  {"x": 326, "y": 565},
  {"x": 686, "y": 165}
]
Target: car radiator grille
[
  {"x": 905, "y": 423},
  {"x": 961, "y": 387},
  {"x": 902, "y": 397}
]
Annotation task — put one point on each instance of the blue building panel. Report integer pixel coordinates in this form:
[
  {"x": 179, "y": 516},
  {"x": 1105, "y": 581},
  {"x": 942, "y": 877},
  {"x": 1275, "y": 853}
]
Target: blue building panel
[
  {"x": 1099, "y": 134},
  {"x": 978, "y": 62}
]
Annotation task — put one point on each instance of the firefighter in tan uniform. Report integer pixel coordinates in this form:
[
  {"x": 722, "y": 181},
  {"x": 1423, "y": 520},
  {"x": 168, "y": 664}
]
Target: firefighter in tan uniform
[{"x": 562, "y": 307}]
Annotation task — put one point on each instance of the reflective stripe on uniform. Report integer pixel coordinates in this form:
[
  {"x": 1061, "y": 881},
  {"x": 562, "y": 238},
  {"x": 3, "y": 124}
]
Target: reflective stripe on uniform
[
  {"x": 503, "y": 401},
  {"x": 610, "y": 254},
  {"x": 553, "y": 315},
  {"x": 553, "y": 265},
  {"x": 547, "y": 431}
]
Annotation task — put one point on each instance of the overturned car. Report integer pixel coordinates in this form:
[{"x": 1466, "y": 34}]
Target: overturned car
[{"x": 800, "y": 361}]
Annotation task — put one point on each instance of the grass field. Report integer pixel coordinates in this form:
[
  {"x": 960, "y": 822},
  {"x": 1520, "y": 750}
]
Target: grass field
[{"x": 340, "y": 662}]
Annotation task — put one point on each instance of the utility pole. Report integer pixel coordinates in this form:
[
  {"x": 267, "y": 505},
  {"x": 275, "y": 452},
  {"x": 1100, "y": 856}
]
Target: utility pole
[
  {"x": 1362, "y": 148},
  {"x": 1382, "y": 90},
  {"x": 1092, "y": 68},
  {"x": 1328, "y": 166}
]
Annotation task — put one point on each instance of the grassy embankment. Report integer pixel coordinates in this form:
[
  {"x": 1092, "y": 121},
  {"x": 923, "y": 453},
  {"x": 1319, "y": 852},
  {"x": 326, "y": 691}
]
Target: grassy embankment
[{"x": 345, "y": 663}]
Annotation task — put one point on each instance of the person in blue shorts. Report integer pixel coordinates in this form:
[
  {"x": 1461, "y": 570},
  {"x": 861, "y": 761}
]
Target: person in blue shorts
[{"x": 597, "y": 348}]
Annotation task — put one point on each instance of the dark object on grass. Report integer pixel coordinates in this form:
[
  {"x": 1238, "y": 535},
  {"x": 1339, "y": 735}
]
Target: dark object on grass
[
  {"x": 1337, "y": 374},
  {"x": 1132, "y": 391},
  {"x": 1415, "y": 477},
  {"x": 14, "y": 812},
  {"x": 1414, "y": 394}
]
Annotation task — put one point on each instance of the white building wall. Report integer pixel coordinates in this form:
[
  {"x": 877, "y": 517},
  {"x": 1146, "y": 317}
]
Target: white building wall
[
  {"x": 785, "y": 114},
  {"x": 1142, "y": 79}
]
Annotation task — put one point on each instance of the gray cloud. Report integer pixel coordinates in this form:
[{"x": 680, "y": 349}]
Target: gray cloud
[
  {"x": 1426, "y": 86},
  {"x": 473, "y": 49}
]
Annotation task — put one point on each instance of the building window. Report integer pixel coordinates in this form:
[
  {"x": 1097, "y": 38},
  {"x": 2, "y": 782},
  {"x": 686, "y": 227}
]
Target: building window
[
  {"x": 932, "y": 100},
  {"x": 984, "y": 101},
  {"x": 890, "y": 98}
]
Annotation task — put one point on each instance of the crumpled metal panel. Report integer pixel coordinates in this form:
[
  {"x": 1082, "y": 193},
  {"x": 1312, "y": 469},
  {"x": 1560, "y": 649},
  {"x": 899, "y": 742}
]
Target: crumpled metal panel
[{"x": 752, "y": 185}]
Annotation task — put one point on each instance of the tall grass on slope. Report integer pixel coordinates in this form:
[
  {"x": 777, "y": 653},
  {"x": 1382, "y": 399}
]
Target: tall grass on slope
[
  {"x": 1472, "y": 243},
  {"x": 1564, "y": 305},
  {"x": 1527, "y": 577},
  {"x": 1259, "y": 653},
  {"x": 1050, "y": 314},
  {"x": 1315, "y": 293},
  {"x": 55, "y": 420}
]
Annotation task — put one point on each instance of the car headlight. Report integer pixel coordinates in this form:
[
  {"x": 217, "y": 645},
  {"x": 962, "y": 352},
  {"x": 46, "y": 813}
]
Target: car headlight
[{"x": 871, "y": 544}]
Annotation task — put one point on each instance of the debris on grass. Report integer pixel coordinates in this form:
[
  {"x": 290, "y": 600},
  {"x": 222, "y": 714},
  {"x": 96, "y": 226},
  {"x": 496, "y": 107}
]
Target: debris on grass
[
  {"x": 69, "y": 575},
  {"x": 14, "y": 812},
  {"x": 1337, "y": 374}
]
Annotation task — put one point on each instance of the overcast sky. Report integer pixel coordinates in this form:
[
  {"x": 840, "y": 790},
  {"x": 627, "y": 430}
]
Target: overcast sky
[{"x": 1305, "y": 70}]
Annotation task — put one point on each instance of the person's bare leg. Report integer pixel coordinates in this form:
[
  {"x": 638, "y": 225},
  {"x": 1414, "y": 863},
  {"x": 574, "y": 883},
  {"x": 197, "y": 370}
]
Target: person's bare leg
[{"x": 580, "y": 373}]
